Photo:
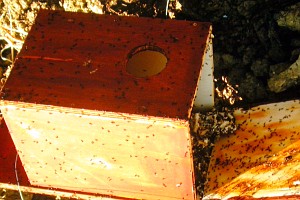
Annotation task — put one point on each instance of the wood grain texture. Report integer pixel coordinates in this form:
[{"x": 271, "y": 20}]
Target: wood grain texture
[
  {"x": 108, "y": 153},
  {"x": 261, "y": 159},
  {"x": 79, "y": 60},
  {"x": 8, "y": 172}
]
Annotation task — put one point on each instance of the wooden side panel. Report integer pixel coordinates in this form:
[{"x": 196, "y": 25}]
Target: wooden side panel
[
  {"x": 204, "y": 99},
  {"x": 261, "y": 159},
  {"x": 110, "y": 154}
]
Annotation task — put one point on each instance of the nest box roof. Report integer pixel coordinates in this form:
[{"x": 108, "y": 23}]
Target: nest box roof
[{"x": 79, "y": 60}]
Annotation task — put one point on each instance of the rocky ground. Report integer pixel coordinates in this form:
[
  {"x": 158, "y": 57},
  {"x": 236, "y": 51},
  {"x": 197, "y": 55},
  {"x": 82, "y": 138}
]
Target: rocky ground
[
  {"x": 256, "y": 52},
  {"x": 255, "y": 42}
]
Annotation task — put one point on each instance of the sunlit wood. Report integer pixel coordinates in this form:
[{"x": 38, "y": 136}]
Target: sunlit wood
[
  {"x": 261, "y": 159},
  {"x": 81, "y": 123}
]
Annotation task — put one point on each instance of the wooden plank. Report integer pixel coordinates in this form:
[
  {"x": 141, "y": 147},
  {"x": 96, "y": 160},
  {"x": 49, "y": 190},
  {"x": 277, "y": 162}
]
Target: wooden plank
[{"x": 261, "y": 159}]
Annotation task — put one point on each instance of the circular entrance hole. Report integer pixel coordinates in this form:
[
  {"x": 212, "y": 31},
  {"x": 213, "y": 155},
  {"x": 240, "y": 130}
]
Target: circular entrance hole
[{"x": 146, "y": 61}]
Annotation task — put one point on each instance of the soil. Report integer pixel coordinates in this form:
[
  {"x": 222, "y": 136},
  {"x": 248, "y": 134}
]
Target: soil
[{"x": 249, "y": 47}]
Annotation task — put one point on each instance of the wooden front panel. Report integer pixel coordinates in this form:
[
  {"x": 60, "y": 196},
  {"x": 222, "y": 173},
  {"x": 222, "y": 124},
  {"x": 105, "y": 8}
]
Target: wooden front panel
[
  {"x": 103, "y": 153},
  {"x": 261, "y": 159},
  {"x": 79, "y": 60},
  {"x": 10, "y": 168}
]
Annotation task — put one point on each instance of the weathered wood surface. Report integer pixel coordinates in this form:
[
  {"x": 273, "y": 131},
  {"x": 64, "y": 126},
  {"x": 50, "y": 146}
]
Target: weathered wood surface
[
  {"x": 261, "y": 159},
  {"x": 79, "y": 60}
]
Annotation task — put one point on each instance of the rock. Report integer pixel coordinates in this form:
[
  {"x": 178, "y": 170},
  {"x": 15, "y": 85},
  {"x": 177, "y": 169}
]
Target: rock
[
  {"x": 236, "y": 75},
  {"x": 290, "y": 18},
  {"x": 228, "y": 59},
  {"x": 246, "y": 8},
  {"x": 278, "y": 68},
  {"x": 294, "y": 55},
  {"x": 260, "y": 67},
  {"x": 295, "y": 42},
  {"x": 249, "y": 55},
  {"x": 286, "y": 79},
  {"x": 268, "y": 35},
  {"x": 224, "y": 61},
  {"x": 277, "y": 53},
  {"x": 251, "y": 89},
  {"x": 261, "y": 26}
]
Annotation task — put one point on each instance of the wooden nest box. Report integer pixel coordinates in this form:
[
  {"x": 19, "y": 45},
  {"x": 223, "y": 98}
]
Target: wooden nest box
[{"x": 100, "y": 105}]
